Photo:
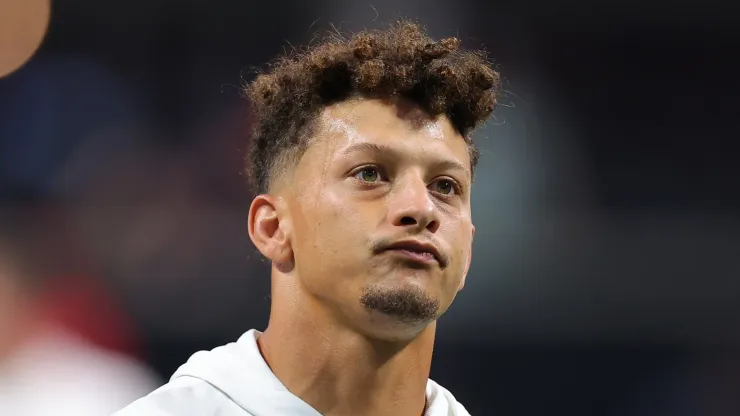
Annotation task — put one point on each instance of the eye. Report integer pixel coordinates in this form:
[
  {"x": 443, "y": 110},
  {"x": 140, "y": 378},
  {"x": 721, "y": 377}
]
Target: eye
[
  {"x": 368, "y": 174},
  {"x": 445, "y": 187}
]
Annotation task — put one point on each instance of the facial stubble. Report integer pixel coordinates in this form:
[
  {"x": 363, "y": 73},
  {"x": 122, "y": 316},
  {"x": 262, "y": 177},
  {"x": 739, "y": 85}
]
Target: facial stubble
[{"x": 409, "y": 305}]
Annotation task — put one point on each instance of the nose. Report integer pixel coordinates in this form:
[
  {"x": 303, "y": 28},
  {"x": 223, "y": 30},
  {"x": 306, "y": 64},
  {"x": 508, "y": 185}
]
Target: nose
[{"x": 411, "y": 206}]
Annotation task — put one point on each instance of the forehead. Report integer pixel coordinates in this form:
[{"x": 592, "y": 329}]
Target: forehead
[{"x": 393, "y": 124}]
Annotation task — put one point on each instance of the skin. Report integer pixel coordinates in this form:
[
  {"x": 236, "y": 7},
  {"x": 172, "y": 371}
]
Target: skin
[
  {"x": 16, "y": 311},
  {"x": 352, "y": 327}
]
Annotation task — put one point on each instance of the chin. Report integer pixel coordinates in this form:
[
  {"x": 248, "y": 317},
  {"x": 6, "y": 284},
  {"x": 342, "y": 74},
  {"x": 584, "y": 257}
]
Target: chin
[
  {"x": 387, "y": 329},
  {"x": 398, "y": 313}
]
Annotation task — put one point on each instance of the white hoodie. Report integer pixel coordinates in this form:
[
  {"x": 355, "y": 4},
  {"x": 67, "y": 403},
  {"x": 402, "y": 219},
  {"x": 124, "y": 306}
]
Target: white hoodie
[{"x": 234, "y": 380}]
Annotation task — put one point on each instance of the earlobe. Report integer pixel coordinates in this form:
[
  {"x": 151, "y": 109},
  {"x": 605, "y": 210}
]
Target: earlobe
[{"x": 266, "y": 230}]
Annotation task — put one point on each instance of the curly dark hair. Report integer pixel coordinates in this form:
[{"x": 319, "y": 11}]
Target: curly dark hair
[{"x": 400, "y": 60}]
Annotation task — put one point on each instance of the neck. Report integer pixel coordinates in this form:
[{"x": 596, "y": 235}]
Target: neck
[{"x": 339, "y": 371}]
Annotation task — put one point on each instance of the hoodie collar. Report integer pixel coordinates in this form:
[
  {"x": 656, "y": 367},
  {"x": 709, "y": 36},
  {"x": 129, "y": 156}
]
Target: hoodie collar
[{"x": 238, "y": 370}]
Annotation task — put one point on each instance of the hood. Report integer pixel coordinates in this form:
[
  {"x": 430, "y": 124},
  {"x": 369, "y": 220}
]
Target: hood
[
  {"x": 239, "y": 371},
  {"x": 242, "y": 375}
]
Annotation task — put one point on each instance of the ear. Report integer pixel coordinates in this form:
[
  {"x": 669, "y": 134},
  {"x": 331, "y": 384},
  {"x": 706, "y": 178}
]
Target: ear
[
  {"x": 467, "y": 261},
  {"x": 268, "y": 233}
]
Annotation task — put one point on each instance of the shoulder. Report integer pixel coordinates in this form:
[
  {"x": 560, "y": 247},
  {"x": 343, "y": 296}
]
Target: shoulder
[
  {"x": 184, "y": 396},
  {"x": 460, "y": 410},
  {"x": 442, "y": 402}
]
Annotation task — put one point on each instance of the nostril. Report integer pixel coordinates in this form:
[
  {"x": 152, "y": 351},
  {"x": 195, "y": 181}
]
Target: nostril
[
  {"x": 433, "y": 226},
  {"x": 408, "y": 221}
]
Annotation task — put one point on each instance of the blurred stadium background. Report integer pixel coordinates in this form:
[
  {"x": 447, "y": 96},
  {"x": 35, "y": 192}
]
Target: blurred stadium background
[{"x": 606, "y": 272}]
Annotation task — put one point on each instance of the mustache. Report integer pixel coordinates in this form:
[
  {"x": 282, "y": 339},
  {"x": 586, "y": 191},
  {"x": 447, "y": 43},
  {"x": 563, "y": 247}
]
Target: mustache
[{"x": 382, "y": 244}]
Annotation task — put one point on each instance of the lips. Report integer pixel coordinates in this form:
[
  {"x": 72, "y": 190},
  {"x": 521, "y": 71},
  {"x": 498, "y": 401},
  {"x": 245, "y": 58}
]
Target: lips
[{"x": 419, "y": 251}]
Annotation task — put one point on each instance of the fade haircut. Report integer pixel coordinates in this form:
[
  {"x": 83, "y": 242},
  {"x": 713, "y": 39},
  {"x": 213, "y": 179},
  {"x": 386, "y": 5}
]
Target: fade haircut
[{"x": 400, "y": 60}]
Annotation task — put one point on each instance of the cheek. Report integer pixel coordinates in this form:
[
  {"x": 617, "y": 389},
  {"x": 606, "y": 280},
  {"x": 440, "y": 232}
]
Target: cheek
[
  {"x": 460, "y": 240},
  {"x": 332, "y": 227},
  {"x": 332, "y": 246}
]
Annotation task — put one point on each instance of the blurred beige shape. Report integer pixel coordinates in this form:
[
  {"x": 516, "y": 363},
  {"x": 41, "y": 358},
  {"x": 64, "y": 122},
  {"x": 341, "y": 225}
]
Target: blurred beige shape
[{"x": 23, "y": 24}]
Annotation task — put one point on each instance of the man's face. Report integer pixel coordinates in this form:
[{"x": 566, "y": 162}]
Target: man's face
[{"x": 379, "y": 207}]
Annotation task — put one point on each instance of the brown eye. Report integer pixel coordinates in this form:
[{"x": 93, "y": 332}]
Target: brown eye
[
  {"x": 444, "y": 187},
  {"x": 368, "y": 174}
]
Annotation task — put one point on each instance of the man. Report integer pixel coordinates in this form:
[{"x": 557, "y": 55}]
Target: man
[{"x": 363, "y": 164}]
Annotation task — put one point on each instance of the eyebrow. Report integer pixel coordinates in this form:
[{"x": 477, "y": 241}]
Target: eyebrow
[{"x": 385, "y": 149}]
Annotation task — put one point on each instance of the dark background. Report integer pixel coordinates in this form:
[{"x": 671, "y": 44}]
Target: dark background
[{"x": 606, "y": 271}]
